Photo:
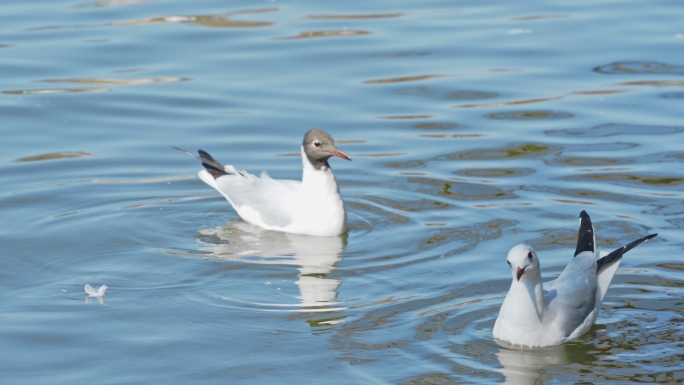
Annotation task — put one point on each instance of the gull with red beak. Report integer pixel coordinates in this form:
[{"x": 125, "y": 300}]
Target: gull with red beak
[
  {"x": 536, "y": 313},
  {"x": 312, "y": 206}
]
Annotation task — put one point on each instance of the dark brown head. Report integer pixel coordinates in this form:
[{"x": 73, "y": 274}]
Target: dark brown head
[{"x": 319, "y": 146}]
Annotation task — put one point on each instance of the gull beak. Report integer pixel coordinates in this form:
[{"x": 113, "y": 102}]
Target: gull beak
[
  {"x": 340, "y": 154},
  {"x": 520, "y": 272}
]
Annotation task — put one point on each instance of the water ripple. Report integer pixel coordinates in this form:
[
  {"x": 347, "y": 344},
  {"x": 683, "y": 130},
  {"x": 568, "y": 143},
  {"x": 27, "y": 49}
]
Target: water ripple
[
  {"x": 325, "y": 33},
  {"x": 527, "y": 150},
  {"x": 214, "y": 21},
  {"x": 531, "y": 114},
  {"x": 55, "y": 155},
  {"x": 355, "y": 17},
  {"x": 403, "y": 79},
  {"x": 112, "y": 3},
  {"x": 672, "y": 95},
  {"x": 118, "y": 82},
  {"x": 49, "y": 91},
  {"x": 639, "y": 68},
  {"x": 445, "y": 94},
  {"x": 616, "y": 129}
]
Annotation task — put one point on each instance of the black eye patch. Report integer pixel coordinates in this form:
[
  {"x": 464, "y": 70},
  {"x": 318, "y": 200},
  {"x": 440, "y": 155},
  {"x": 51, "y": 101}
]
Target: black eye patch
[{"x": 529, "y": 255}]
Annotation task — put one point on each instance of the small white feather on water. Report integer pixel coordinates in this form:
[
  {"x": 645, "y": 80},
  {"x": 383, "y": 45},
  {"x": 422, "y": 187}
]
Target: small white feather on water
[{"x": 99, "y": 293}]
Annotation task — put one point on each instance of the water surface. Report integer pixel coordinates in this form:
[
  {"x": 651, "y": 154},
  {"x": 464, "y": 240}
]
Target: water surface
[{"x": 474, "y": 126}]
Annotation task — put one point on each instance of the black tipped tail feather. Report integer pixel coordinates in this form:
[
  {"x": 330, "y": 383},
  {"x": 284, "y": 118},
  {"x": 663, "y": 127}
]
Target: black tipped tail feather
[
  {"x": 585, "y": 236},
  {"x": 213, "y": 166},
  {"x": 617, "y": 254}
]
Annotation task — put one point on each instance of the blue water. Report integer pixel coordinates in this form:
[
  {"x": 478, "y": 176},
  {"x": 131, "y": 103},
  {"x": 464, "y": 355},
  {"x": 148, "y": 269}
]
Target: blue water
[{"x": 474, "y": 126}]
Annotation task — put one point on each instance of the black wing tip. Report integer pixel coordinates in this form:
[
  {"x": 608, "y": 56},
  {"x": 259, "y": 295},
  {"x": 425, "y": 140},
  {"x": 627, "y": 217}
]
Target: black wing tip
[
  {"x": 204, "y": 154},
  {"x": 617, "y": 254},
  {"x": 213, "y": 166},
  {"x": 585, "y": 235},
  {"x": 639, "y": 241},
  {"x": 585, "y": 221}
]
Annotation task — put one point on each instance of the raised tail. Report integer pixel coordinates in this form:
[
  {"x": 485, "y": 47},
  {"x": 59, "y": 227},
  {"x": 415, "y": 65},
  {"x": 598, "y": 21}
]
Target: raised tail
[
  {"x": 614, "y": 256},
  {"x": 213, "y": 166}
]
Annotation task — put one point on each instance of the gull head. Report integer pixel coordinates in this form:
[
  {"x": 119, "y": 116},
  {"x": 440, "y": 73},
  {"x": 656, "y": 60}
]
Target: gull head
[
  {"x": 523, "y": 262},
  {"x": 319, "y": 146}
]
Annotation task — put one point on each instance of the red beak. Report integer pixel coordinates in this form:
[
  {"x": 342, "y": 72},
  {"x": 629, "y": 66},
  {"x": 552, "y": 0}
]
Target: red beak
[
  {"x": 520, "y": 273},
  {"x": 340, "y": 154}
]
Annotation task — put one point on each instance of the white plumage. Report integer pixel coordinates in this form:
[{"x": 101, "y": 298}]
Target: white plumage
[{"x": 312, "y": 206}]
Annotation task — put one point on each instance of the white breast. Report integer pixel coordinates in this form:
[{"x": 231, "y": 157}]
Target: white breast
[{"x": 317, "y": 206}]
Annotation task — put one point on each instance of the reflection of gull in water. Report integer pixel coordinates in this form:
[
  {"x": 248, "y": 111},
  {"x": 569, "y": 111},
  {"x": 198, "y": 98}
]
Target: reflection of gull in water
[
  {"x": 529, "y": 366},
  {"x": 315, "y": 256},
  {"x": 536, "y": 365}
]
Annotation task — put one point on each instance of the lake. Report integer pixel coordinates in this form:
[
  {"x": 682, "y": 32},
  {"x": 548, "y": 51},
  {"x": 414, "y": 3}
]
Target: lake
[{"x": 473, "y": 126}]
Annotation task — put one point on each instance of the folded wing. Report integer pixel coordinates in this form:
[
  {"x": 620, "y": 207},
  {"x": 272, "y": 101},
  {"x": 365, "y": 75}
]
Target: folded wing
[{"x": 261, "y": 201}]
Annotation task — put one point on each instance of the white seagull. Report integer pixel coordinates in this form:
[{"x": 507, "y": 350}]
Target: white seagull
[
  {"x": 312, "y": 207},
  {"x": 551, "y": 313}
]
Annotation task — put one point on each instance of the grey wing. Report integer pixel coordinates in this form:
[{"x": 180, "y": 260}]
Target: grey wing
[
  {"x": 262, "y": 199},
  {"x": 572, "y": 297}
]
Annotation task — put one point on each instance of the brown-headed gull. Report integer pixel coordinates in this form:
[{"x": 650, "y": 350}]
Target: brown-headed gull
[
  {"x": 312, "y": 207},
  {"x": 551, "y": 313}
]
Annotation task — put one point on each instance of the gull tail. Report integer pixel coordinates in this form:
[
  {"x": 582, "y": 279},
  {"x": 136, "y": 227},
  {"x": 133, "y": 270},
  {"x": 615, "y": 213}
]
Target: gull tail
[
  {"x": 586, "y": 240},
  {"x": 213, "y": 166}
]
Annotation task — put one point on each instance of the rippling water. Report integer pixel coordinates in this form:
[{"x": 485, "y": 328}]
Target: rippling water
[{"x": 474, "y": 126}]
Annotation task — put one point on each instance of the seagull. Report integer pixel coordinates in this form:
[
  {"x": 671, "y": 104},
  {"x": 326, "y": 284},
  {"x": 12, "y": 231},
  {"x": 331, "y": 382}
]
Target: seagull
[
  {"x": 551, "y": 313},
  {"x": 311, "y": 207}
]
